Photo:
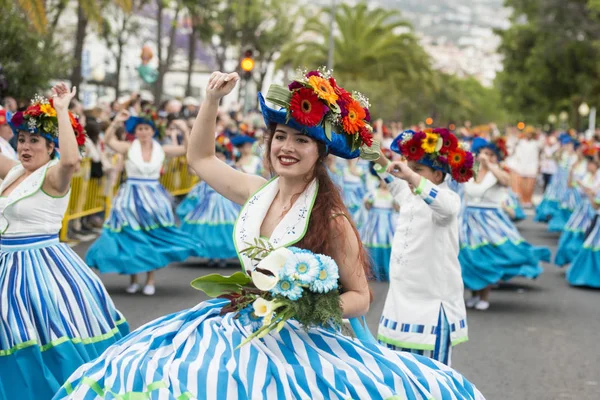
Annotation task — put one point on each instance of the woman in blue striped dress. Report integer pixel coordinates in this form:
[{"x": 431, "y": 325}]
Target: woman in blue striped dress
[
  {"x": 196, "y": 353},
  {"x": 491, "y": 247},
  {"x": 139, "y": 234},
  {"x": 585, "y": 267},
  {"x": 211, "y": 220},
  {"x": 573, "y": 236},
  {"x": 569, "y": 198},
  {"x": 55, "y": 314},
  {"x": 377, "y": 230}
]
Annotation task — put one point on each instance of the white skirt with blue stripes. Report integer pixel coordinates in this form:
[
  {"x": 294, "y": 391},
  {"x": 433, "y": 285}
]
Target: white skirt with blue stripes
[
  {"x": 56, "y": 316},
  {"x": 194, "y": 354}
]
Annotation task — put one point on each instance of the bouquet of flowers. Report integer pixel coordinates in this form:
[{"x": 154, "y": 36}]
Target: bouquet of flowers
[
  {"x": 287, "y": 283},
  {"x": 314, "y": 98},
  {"x": 40, "y": 117},
  {"x": 440, "y": 148}
]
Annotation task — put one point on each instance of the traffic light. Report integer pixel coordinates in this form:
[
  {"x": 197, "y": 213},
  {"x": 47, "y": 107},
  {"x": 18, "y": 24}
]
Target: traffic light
[{"x": 247, "y": 65}]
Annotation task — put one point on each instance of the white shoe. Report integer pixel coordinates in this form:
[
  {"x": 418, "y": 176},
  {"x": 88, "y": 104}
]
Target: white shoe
[
  {"x": 482, "y": 305},
  {"x": 133, "y": 288},
  {"x": 149, "y": 290},
  {"x": 470, "y": 303}
]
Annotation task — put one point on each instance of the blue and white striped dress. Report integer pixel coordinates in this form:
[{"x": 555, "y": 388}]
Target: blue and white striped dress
[
  {"x": 190, "y": 201},
  {"x": 377, "y": 232},
  {"x": 140, "y": 234},
  {"x": 194, "y": 354},
  {"x": 55, "y": 313},
  {"x": 211, "y": 222}
]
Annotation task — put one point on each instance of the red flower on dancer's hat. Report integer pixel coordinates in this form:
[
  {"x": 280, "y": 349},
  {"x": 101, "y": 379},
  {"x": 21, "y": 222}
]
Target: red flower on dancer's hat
[
  {"x": 462, "y": 174},
  {"x": 33, "y": 111},
  {"x": 366, "y": 136},
  {"x": 306, "y": 108},
  {"x": 413, "y": 150},
  {"x": 449, "y": 141},
  {"x": 456, "y": 158}
]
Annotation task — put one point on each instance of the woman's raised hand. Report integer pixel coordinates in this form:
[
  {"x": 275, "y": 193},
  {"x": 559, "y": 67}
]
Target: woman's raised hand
[
  {"x": 61, "y": 96},
  {"x": 122, "y": 116},
  {"x": 220, "y": 85}
]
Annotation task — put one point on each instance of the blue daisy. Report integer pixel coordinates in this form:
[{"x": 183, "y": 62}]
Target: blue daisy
[
  {"x": 250, "y": 320},
  {"x": 288, "y": 287},
  {"x": 304, "y": 267},
  {"x": 327, "y": 279}
]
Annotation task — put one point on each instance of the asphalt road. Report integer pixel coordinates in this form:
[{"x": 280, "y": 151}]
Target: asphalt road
[{"x": 539, "y": 339}]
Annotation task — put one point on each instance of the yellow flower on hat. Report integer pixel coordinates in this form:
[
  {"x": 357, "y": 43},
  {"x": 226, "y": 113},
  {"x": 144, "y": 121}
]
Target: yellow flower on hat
[
  {"x": 48, "y": 110},
  {"x": 431, "y": 142},
  {"x": 323, "y": 89}
]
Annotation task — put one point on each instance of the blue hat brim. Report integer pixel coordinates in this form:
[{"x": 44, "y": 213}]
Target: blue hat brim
[
  {"x": 338, "y": 145},
  {"x": 427, "y": 161},
  {"x": 480, "y": 144},
  {"x": 133, "y": 122},
  {"x": 241, "y": 140}
]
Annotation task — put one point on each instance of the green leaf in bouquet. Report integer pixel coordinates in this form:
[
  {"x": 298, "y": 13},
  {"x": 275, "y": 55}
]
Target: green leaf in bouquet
[
  {"x": 371, "y": 153},
  {"x": 215, "y": 285},
  {"x": 279, "y": 95}
]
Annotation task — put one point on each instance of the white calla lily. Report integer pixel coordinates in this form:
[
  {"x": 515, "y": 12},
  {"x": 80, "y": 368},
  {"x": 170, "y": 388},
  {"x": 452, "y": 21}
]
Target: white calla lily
[
  {"x": 273, "y": 263},
  {"x": 262, "y": 307}
]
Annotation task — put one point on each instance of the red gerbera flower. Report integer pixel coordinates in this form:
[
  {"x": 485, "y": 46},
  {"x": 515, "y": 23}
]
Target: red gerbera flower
[
  {"x": 462, "y": 174},
  {"x": 33, "y": 111},
  {"x": 17, "y": 119},
  {"x": 413, "y": 150},
  {"x": 80, "y": 139},
  {"x": 306, "y": 108},
  {"x": 449, "y": 144},
  {"x": 456, "y": 158},
  {"x": 366, "y": 136}
]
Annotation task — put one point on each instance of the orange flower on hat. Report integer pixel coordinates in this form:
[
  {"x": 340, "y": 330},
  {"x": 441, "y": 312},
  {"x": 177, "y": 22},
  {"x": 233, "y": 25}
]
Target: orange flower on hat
[
  {"x": 354, "y": 119},
  {"x": 323, "y": 89},
  {"x": 456, "y": 158}
]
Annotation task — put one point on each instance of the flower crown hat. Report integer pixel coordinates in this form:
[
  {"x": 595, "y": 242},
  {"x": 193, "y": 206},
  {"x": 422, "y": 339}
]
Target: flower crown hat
[
  {"x": 40, "y": 118},
  {"x": 148, "y": 117},
  {"x": 315, "y": 105},
  {"x": 498, "y": 146},
  {"x": 438, "y": 149},
  {"x": 223, "y": 145}
]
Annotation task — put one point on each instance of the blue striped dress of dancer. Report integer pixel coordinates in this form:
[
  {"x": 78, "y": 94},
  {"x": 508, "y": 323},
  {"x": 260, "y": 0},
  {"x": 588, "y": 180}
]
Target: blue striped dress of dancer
[
  {"x": 572, "y": 238},
  {"x": 194, "y": 354},
  {"x": 140, "y": 233},
  {"x": 491, "y": 247},
  {"x": 377, "y": 230},
  {"x": 55, "y": 313}
]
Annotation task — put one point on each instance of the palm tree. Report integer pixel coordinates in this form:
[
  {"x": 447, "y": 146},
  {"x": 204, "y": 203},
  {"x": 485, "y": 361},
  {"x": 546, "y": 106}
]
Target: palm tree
[{"x": 370, "y": 44}]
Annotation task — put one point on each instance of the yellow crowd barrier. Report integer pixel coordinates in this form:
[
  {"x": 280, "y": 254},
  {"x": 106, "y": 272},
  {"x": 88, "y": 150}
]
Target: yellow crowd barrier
[{"x": 91, "y": 196}]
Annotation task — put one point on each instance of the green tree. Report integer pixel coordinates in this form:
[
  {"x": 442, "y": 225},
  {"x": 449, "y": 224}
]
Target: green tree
[
  {"x": 28, "y": 66},
  {"x": 546, "y": 71}
]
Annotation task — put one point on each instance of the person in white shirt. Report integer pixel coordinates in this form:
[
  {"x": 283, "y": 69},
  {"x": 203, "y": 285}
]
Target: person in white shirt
[
  {"x": 527, "y": 153},
  {"x": 424, "y": 312},
  {"x": 548, "y": 165},
  {"x": 6, "y": 133}
]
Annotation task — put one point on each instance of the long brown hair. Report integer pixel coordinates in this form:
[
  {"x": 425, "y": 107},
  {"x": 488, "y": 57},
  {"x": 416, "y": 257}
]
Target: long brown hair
[{"x": 327, "y": 211}]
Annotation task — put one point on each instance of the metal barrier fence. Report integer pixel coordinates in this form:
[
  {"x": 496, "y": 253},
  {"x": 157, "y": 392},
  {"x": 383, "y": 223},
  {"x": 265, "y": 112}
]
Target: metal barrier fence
[{"x": 91, "y": 196}]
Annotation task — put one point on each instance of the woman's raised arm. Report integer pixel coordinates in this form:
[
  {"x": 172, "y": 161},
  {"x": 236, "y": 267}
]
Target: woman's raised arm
[{"x": 229, "y": 182}]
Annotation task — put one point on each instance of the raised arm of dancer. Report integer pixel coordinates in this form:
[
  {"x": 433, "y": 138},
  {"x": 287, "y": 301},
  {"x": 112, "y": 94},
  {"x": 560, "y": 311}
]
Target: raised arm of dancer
[
  {"x": 395, "y": 185},
  {"x": 59, "y": 176},
  {"x": 176, "y": 150},
  {"x": 110, "y": 137},
  {"x": 502, "y": 176},
  {"x": 229, "y": 182}
]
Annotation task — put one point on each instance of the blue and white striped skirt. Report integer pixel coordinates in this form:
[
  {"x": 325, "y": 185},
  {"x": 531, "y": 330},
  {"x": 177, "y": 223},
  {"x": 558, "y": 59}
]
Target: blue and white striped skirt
[
  {"x": 354, "y": 192},
  {"x": 492, "y": 249},
  {"x": 572, "y": 237},
  {"x": 56, "y": 316},
  {"x": 211, "y": 221},
  {"x": 585, "y": 267},
  {"x": 377, "y": 233},
  {"x": 140, "y": 233},
  {"x": 194, "y": 354},
  {"x": 191, "y": 200}
]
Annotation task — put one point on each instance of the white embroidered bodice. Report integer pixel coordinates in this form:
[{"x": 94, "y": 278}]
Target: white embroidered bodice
[
  {"x": 488, "y": 193},
  {"x": 135, "y": 165},
  {"x": 28, "y": 210}
]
